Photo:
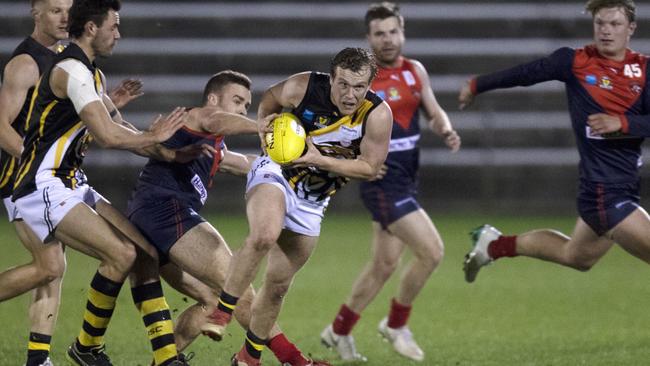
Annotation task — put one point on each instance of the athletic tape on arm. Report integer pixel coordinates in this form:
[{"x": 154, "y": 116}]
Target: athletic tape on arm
[{"x": 81, "y": 84}]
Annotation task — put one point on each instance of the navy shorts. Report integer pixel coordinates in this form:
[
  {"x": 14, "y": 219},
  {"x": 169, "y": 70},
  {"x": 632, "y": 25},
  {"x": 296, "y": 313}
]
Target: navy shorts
[
  {"x": 603, "y": 206},
  {"x": 163, "y": 221},
  {"x": 387, "y": 202}
]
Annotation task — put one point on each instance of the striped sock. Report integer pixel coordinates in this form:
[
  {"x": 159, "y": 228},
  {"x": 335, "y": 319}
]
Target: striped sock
[
  {"x": 227, "y": 302},
  {"x": 99, "y": 309},
  {"x": 254, "y": 345},
  {"x": 38, "y": 348},
  {"x": 149, "y": 299}
]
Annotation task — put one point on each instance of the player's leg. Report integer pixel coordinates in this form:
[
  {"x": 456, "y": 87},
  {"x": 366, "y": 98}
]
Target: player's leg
[
  {"x": 284, "y": 261},
  {"x": 189, "y": 323},
  {"x": 50, "y": 263},
  {"x": 146, "y": 289},
  {"x": 633, "y": 234},
  {"x": 579, "y": 251},
  {"x": 265, "y": 209},
  {"x": 417, "y": 231}
]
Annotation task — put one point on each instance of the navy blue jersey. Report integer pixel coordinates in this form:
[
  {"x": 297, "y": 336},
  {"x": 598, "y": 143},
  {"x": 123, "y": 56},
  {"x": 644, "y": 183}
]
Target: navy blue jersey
[
  {"x": 188, "y": 182},
  {"x": 594, "y": 84}
]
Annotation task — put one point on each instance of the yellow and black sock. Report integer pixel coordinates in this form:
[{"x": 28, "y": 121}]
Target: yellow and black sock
[
  {"x": 99, "y": 309},
  {"x": 149, "y": 299},
  {"x": 254, "y": 345},
  {"x": 38, "y": 348},
  {"x": 227, "y": 302}
]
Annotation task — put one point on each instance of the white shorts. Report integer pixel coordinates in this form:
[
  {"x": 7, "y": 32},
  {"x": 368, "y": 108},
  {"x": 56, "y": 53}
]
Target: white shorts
[
  {"x": 12, "y": 211},
  {"x": 302, "y": 216},
  {"x": 44, "y": 209}
]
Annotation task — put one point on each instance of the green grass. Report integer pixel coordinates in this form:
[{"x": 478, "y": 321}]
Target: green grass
[{"x": 519, "y": 312}]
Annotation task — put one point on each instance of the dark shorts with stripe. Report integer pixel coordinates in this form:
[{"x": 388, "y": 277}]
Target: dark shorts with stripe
[
  {"x": 388, "y": 201},
  {"x": 603, "y": 206},
  {"x": 163, "y": 221}
]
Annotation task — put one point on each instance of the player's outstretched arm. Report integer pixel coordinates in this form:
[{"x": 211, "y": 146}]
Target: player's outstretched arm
[
  {"x": 222, "y": 123},
  {"x": 438, "y": 118},
  {"x": 374, "y": 149},
  {"x": 71, "y": 80},
  {"x": 21, "y": 73},
  {"x": 235, "y": 163}
]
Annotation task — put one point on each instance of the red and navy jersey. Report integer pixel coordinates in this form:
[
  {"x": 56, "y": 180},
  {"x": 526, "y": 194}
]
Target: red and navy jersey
[
  {"x": 188, "y": 182},
  {"x": 401, "y": 88},
  {"x": 594, "y": 84},
  {"x": 44, "y": 57}
]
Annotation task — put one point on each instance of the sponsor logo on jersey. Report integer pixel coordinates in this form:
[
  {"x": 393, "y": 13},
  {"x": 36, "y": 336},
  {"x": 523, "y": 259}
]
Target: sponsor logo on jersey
[
  {"x": 636, "y": 88},
  {"x": 348, "y": 135},
  {"x": 606, "y": 83},
  {"x": 308, "y": 115},
  {"x": 200, "y": 188},
  {"x": 591, "y": 79}
]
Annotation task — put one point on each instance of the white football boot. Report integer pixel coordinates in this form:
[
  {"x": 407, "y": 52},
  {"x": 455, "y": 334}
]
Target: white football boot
[
  {"x": 343, "y": 345},
  {"x": 402, "y": 340},
  {"x": 47, "y": 362},
  {"x": 478, "y": 257}
]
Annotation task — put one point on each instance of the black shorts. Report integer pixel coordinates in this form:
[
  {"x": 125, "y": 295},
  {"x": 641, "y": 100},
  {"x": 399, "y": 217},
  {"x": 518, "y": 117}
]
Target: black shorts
[
  {"x": 603, "y": 206},
  {"x": 163, "y": 222},
  {"x": 388, "y": 202}
]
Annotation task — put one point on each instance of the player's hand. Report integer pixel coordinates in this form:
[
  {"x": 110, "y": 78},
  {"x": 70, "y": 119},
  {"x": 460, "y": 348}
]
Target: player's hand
[
  {"x": 602, "y": 123},
  {"x": 164, "y": 128},
  {"x": 381, "y": 173},
  {"x": 466, "y": 96},
  {"x": 128, "y": 90},
  {"x": 264, "y": 126},
  {"x": 192, "y": 152},
  {"x": 309, "y": 158},
  {"x": 452, "y": 140}
]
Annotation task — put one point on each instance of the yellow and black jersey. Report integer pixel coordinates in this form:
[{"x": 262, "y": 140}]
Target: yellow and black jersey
[
  {"x": 334, "y": 135},
  {"x": 44, "y": 57},
  {"x": 55, "y": 138}
]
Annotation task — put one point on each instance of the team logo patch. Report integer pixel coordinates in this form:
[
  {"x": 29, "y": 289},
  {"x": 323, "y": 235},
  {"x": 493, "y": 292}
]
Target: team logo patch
[
  {"x": 323, "y": 120},
  {"x": 393, "y": 95},
  {"x": 606, "y": 83},
  {"x": 591, "y": 79}
]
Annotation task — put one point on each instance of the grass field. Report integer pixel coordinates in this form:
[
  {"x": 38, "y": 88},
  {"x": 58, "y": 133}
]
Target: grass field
[{"x": 519, "y": 312}]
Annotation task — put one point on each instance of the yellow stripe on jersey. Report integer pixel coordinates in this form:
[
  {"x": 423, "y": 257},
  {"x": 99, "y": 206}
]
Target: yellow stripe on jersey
[
  {"x": 25, "y": 167},
  {"x": 98, "y": 81},
  {"x": 9, "y": 172},
  {"x": 31, "y": 103},
  {"x": 356, "y": 119},
  {"x": 58, "y": 156}
]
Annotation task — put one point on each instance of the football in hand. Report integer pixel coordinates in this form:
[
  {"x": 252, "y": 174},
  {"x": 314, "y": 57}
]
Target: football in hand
[{"x": 287, "y": 141}]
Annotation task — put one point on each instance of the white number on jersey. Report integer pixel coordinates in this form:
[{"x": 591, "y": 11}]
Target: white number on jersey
[{"x": 632, "y": 71}]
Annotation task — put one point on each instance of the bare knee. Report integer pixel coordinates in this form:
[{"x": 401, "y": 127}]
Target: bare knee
[
  {"x": 431, "y": 256},
  {"x": 580, "y": 262},
  {"x": 261, "y": 242},
  {"x": 383, "y": 268},
  {"x": 50, "y": 265},
  {"x": 124, "y": 258}
]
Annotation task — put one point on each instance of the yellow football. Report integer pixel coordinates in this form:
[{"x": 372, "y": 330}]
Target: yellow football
[{"x": 287, "y": 141}]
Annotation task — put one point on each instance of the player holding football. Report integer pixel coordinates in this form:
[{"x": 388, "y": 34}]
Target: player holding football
[
  {"x": 349, "y": 130},
  {"x": 30, "y": 59},
  {"x": 398, "y": 219},
  {"x": 609, "y": 104},
  {"x": 168, "y": 197}
]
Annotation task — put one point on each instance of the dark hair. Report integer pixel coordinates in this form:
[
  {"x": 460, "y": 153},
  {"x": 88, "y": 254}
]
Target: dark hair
[
  {"x": 382, "y": 11},
  {"x": 223, "y": 78},
  {"x": 354, "y": 59},
  {"x": 593, "y": 6},
  {"x": 84, "y": 11}
]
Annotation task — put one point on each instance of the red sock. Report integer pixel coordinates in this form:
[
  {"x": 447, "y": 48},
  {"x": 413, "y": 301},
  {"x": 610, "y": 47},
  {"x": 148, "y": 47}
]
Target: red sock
[
  {"x": 399, "y": 314},
  {"x": 345, "y": 320},
  {"x": 286, "y": 352},
  {"x": 504, "y": 246}
]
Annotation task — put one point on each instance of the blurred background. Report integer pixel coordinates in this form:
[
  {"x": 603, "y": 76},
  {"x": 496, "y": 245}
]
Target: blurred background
[{"x": 518, "y": 153}]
